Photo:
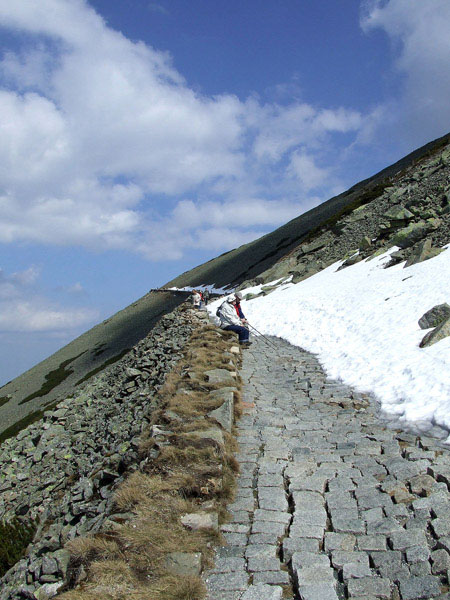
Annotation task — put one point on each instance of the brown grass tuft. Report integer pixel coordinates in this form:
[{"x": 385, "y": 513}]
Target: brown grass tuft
[{"x": 130, "y": 564}]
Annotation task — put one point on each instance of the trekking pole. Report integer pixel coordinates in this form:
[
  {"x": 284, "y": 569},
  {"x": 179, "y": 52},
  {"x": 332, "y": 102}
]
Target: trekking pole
[{"x": 263, "y": 336}]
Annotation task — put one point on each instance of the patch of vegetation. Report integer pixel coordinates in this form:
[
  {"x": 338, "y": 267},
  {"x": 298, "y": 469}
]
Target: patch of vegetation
[
  {"x": 14, "y": 429},
  {"x": 14, "y": 539},
  {"x": 173, "y": 480},
  {"x": 4, "y": 400},
  {"x": 108, "y": 362},
  {"x": 99, "y": 349},
  {"x": 53, "y": 379}
]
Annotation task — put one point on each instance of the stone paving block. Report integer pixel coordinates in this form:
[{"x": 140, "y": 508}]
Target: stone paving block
[
  {"x": 389, "y": 564},
  {"x": 263, "y": 538},
  {"x": 308, "y": 500},
  {"x": 235, "y": 539},
  {"x": 341, "y": 484},
  {"x": 309, "y": 559},
  {"x": 263, "y": 563},
  {"x": 262, "y": 591},
  {"x": 273, "y": 500},
  {"x": 235, "y": 528},
  {"x": 369, "y": 586},
  {"x": 225, "y": 596},
  {"x": 271, "y": 527},
  {"x": 387, "y": 526},
  {"x": 240, "y": 516},
  {"x": 417, "y": 554},
  {"x": 348, "y": 525},
  {"x": 441, "y": 561},
  {"x": 269, "y": 550},
  {"x": 313, "y": 575},
  {"x": 297, "y": 544},
  {"x": 402, "y": 540},
  {"x": 318, "y": 591},
  {"x": 226, "y": 565},
  {"x": 247, "y": 504},
  {"x": 243, "y": 493},
  {"x": 420, "y": 569},
  {"x": 420, "y": 587},
  {"x": 224, "y": 582},
  {"x": 304, "y": 530},
  {"x": 371, "y": 542},
  {"x": 317, "y": 516},
  {"x": 339, "y": 541},
  {"x": 230, "y": 551},
  {"x": 441, "y": 527},
  {"x": 270, "y": 480},
  {"x": 312, "y": 484},
  {"x": 355, "y": 571},
  {"x": 272, "y": 516},
  {"x": 341, "y": 557},
  {"x": 271, "y": 577}
]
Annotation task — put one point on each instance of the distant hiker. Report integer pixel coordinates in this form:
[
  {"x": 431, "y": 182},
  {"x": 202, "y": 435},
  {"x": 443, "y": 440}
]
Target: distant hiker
[
  {"x": 232, "y": 318},
  {"x": 206, "y": 296},
  {"x": 196, "y": 299}
]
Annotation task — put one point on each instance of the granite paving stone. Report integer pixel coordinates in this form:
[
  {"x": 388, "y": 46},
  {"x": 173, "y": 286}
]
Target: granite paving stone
[{"x": 330, "y": 501}]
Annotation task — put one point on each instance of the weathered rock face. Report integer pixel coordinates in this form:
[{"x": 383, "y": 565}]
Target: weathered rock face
[
  {"x": 411, "y": 210},
  {"x": 435, "y": 316},
  {"x": 63, "y": 469}
]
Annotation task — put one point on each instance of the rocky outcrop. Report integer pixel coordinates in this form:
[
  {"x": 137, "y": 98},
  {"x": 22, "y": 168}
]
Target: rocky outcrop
[
  {"x": 410, "y": 210},
  {"x": 63, "y": 469}
]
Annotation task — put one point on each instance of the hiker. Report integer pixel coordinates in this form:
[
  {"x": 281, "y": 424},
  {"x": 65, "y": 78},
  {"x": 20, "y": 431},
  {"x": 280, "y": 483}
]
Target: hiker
[
  {"x": 232, "y": 318},
  {"x": 196, "y": 299},
  {"x": 206, "y": 296}
]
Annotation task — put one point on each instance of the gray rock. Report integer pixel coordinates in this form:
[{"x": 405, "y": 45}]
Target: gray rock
[
  {"x": 224, "y": 414},
  {"x": 184, "y": 563},
  {"x": 423, "y": 251},
  {"x": 435, "y": 316},
  {"x": 439, "y": 333},
  {"x": 420, "y": 587},
  {"x": 262, "y": 591}
]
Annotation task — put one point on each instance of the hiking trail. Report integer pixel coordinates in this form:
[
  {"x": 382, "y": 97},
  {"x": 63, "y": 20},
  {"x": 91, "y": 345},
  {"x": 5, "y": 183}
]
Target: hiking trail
[{"x": 330, "y": 503}]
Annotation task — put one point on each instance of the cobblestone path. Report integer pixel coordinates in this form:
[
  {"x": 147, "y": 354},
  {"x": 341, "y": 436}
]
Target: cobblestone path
[{"x": 330, "y": 503}]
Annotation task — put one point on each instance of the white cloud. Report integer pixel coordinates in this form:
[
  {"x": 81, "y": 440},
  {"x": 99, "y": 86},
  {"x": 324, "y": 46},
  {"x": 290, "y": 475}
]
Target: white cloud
[
  {"x": 101, "y": 136},
  {"x": 307, "y": 172},
  {"x": 421, "y": 42},
  {"x": 24, "y": 309}
]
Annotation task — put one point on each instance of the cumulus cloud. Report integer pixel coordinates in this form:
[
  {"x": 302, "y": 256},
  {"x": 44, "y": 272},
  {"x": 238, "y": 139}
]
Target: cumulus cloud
[
  {"x": 24, "y": 309},
  {"x": 102, "y": 135},
  {"x": 421, "y": 44}
]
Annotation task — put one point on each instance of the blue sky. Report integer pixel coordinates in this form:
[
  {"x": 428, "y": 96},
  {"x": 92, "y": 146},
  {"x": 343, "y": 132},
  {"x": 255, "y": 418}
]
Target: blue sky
[{"x": 142, "y": 138}]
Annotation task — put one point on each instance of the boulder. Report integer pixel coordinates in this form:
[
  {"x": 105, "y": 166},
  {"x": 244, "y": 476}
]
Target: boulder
[
  {"x": 435, "y": 316},
  {"x": 365, "y": 243},
  {"x": 423, "y": 251},
  {"x": 398, "y": 214},
  {"x": 184, "y": 563},
  {"x": 439, "y": 333},
  {"x": 224, "y": 413},
  {"x": 408, "y": 236},
  {"x": 213, "y": 434},
  {"x": 221, "y": 376},
  {"x": 201, "y": 520}
]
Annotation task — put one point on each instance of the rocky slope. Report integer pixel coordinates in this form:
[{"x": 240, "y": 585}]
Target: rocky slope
[{"x": 62, "y": 470}]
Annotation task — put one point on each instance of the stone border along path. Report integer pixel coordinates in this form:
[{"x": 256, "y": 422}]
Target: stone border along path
[{"x": 330, "y": 503}]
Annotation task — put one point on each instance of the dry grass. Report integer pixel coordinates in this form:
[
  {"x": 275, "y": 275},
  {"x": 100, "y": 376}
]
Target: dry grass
[{"x": 180, "y": 474}]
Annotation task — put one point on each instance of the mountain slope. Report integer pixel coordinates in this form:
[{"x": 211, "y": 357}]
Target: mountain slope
[{"x": 23, "y": 398}]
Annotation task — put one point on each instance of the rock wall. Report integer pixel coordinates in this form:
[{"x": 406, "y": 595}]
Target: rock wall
[{"x": 63, "y": 469}]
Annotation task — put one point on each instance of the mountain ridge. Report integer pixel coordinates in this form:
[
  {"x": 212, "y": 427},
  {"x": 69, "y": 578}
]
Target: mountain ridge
[{"x": 26, "y": 396}]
